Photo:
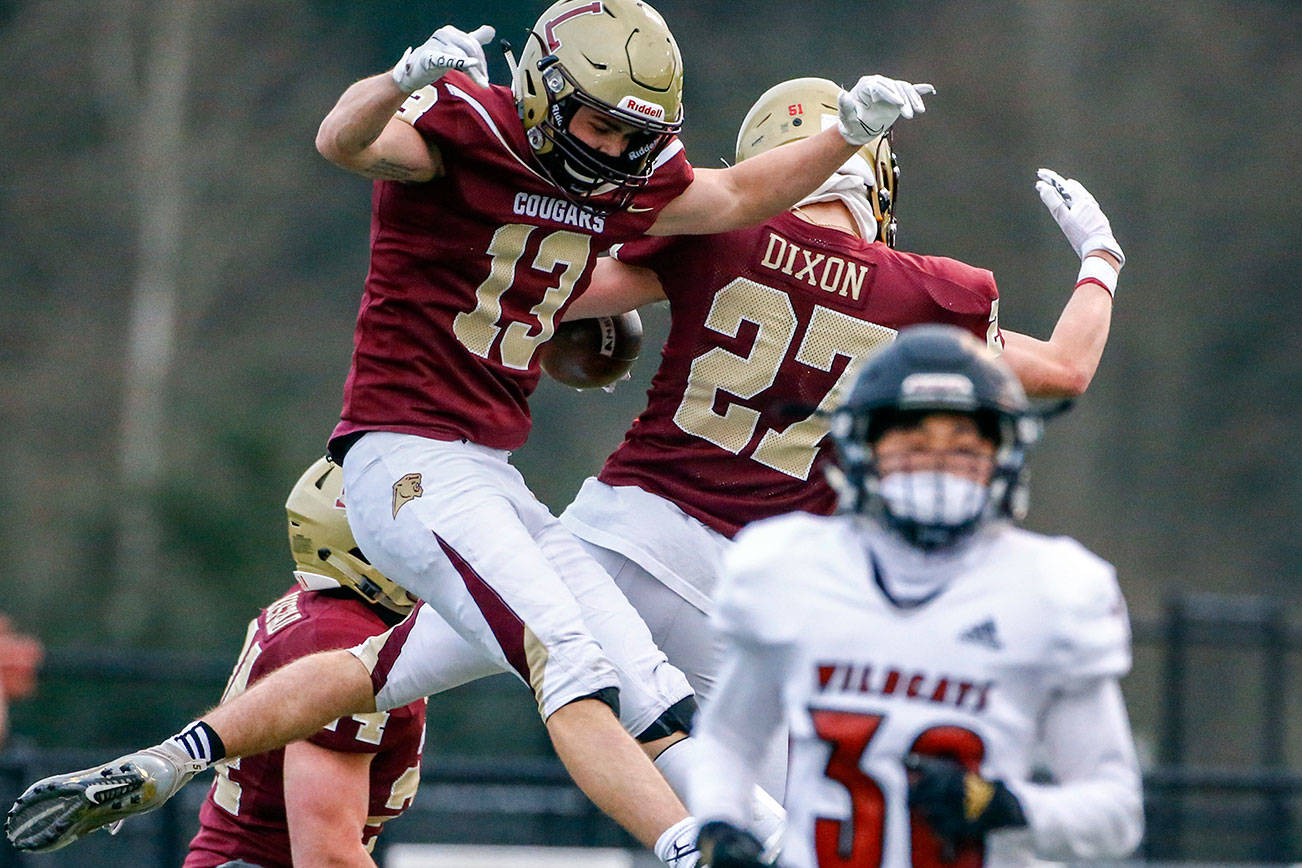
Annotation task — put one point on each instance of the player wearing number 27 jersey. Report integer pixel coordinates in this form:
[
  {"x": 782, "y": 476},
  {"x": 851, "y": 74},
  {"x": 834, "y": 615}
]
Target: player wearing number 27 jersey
[{"x": 767, "y": 325}]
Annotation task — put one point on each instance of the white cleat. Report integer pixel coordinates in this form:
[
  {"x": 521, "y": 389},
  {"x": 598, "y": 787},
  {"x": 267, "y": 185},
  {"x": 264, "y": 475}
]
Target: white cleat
[{"x": 58, "y": 810}]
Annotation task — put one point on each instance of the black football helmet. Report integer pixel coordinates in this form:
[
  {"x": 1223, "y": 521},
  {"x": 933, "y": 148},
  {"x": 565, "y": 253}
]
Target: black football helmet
[{"x": 928, "y": 369}]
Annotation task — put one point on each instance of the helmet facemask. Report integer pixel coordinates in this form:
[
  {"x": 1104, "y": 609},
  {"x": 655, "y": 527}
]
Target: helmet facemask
[
  {"x": 940, "y": 499},
  {"x": 580, "y": 170},
  {"x": 935, "y": 500},
  {"x": 616, "y": 57}
]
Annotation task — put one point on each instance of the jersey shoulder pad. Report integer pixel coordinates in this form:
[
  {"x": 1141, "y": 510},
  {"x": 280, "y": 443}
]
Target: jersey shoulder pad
[
  {"x": 421, "y": 100},
  {"x": 1087, "y": 619},
  {"x": 955, "y": 285},
  {"x": 770, "y": 572},
  {"x": 455, "y": 110}
]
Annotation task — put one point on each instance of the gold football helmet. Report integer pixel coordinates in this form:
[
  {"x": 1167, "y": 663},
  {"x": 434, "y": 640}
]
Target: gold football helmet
[
  {"x": 615, "y": 56},
  {"x": 802, "y": 107},
  {"x": 325, "y": 553}
]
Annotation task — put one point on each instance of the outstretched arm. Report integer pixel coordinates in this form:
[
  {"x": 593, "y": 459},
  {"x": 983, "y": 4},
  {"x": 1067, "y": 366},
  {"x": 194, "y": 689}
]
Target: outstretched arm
[
  {"x": 1065, "y": 364},
  {"x": 720, "y": 200}
]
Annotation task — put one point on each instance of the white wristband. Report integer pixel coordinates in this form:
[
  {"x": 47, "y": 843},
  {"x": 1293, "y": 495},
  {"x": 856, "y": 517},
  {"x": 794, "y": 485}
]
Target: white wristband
[{"x": 1097, "y": 270}]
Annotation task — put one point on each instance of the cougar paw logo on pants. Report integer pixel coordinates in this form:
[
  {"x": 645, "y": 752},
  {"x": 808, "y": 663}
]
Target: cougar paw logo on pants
[{"x": 405, "y": 489}]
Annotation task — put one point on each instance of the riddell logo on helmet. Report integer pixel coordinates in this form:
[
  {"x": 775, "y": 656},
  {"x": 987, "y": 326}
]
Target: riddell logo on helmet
[{"x": 646, "y": 109}]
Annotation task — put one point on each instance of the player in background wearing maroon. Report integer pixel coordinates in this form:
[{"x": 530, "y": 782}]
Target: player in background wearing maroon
[
  {"x": 768, "y": 320},
  {"x": 489, "y": 209},
  {"x": 322, "y": 800}
]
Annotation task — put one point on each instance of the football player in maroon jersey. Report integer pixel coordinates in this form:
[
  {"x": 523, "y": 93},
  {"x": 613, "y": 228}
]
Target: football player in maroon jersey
[
  {"x": 766, "y": 320},
  {"x": 322, "y": 800},
  {"x": 490, "y": 206}
]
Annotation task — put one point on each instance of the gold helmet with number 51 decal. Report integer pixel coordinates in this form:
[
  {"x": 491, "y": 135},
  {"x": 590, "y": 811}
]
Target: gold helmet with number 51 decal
[
  {"x": 801, "y": 107},
  {"x": 617, "y": 57}
]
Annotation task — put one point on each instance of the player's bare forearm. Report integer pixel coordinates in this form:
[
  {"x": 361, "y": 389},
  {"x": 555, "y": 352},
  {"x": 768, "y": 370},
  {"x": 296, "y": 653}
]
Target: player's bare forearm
[
  {"x": 771, "y": 182},
  {"x": 616, "y": 288},
  {"x": 293, "y": 702},
  {"x": 360, "y": 134},
  {"x": 720, "y": 200},
  {"x": 1064, "y": 365}
]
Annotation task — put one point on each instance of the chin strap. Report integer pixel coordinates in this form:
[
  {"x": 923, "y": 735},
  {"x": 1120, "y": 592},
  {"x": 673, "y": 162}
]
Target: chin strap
[{"x": 512, "y": 65}]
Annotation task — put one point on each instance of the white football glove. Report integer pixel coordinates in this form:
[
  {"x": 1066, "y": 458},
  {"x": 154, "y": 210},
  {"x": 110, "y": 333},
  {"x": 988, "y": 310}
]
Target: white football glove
[
  {"x": 448, "y": 48},
  {"x": 869, "y": 108},
  {"x": 1078, "y": 214}
]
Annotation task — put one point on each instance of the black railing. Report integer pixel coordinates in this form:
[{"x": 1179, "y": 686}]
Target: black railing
[{"x": 1197, "y": 811}]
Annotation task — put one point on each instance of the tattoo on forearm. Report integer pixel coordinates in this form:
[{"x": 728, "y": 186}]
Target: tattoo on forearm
[{"x": 385, "y": 170}]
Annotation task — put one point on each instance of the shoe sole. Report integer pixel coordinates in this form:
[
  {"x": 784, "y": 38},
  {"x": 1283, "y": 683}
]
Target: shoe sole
[{"x": 58, "y": 810}]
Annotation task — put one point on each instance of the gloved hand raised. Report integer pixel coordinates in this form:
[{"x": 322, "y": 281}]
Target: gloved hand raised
[
  {"x": 1078, "y": 214},
  {"x": 870, "y": 107},
  {"x": 448, "y": 48}
]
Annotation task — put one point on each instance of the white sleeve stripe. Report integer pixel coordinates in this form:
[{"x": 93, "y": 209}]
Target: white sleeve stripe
[{"x": 664, "y": 156}]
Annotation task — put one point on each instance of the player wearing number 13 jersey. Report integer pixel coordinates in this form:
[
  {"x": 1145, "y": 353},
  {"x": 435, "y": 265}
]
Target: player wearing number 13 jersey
[
  {"x": 489, "y": 209},
  {"x": 926, "y": 655}
]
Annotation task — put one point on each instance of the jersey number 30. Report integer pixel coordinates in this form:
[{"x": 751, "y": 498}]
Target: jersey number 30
[{"x": 858, "y": 841}]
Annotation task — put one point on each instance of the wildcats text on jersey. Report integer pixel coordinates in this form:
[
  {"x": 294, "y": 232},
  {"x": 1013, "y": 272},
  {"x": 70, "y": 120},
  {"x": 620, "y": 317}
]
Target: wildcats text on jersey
[
  {"x": 833, "y": 274},
  {"x": 871, "y": 679},
  {"x": 558, "y": 211}
]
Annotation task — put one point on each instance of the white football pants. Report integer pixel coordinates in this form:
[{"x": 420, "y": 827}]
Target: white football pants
[{"x": 507, "y": 587}]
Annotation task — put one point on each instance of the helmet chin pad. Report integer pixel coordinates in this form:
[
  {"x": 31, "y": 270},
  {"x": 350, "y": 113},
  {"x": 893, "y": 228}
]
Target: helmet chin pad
[{"x": 931, "y": 509}]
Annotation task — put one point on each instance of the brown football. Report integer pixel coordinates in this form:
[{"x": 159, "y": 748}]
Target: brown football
[{"x": 593, "y": 352}]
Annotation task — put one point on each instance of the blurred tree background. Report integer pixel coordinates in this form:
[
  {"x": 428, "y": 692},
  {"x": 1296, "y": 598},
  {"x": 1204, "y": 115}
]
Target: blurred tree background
[{"x": 160, "y": 190}]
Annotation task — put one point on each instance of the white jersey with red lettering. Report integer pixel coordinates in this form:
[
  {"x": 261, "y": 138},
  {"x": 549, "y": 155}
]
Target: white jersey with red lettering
[{"x": 1008, "y": 659}]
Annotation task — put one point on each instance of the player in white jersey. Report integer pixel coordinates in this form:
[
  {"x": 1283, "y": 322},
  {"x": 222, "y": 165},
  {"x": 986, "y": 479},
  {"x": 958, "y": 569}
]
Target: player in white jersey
[{"x": 926, "y": 655}]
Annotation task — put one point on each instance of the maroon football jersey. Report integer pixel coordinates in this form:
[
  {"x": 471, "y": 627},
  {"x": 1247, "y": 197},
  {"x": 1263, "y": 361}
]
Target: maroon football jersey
[
  {"x": 470, "y": 272},
  {"x": 244, "y": 814},
  {"x": 765, "y": 323}
]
